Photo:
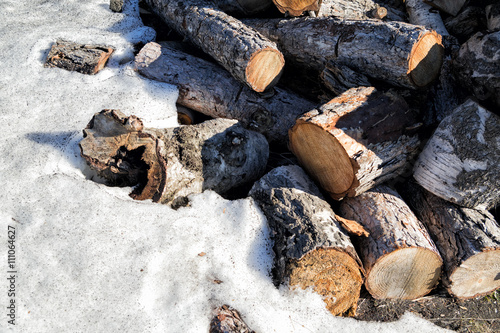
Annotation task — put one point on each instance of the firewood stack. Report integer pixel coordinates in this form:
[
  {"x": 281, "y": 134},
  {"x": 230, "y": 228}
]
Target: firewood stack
[{"x": 389, "y": 82}]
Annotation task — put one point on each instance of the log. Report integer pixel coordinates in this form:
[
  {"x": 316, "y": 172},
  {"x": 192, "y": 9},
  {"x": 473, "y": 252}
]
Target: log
[
  {"x": 493, "y": 17},
  {"x": 468, "y": 240},
  {"x": 82, "y": 58},
  {"x": 297, "y": 7},
  {"x": 228, "y": 320},
  {"x": 207, "y": 88},
  {"x": 396, "y": 52},
  {"x": 466, "y": 23},
  {"x": 451, "y": 7},
  {"x": 247, "y": 55},
  {"x": 339, "y": 78},
  {"x": 351, "y": 9},
  {"x": 311, "y": 249},
  {"x": 169, "y": 164},
  {"x": 354, "y": 142},
  {"x": 421, "y": 13},
  {"x": 400, "y": 259},
  {"x": 477, "y": 66},
  {"x": 459, "y": 163}
]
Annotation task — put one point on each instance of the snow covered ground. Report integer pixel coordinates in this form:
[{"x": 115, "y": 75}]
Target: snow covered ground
[{"x": 87, "y": 257}]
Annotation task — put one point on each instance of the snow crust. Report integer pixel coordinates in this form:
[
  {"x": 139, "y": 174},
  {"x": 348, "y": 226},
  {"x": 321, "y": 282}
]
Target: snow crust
[{"x": 88, "y": 257}]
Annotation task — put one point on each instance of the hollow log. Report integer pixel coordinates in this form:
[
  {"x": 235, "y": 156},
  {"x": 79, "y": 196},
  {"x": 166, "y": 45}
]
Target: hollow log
[
  {"x": 477, "y": 66},
  {"x": 355, "y": 141},
  {"x": 421, "y": 13},
  {"x": 400, "y": 258},
  {"x": 396, "y": 52},
  {"x": 228, "y": 320},
  {"x": 311, "y": 249},
  {"x": 468, "y": 240},
  {"x": 451, "y": 7},
  {"x": 209, "y": 89},
  {"x": 246, "y": 54},
  {"x": 459, "y": 163},
  {"x": 493, "y": 17},
  {"x": 169, "y": 164},
  {"x": 82, "y": 58},
  {"x": 351, "y": 9}
]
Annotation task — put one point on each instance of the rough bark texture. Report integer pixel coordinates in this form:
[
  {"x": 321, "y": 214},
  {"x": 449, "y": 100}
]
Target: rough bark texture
[
  {"x": 209, "y": 89},
  {"x": 460, "y": 162},
  {"x": 242, "y": 7},
  {"x": 82, "y": 58},
  {"x": 420, "y": 13},
  {"x": 396, "y": 52},
  {"x": 400, "y": 259},
  {"x": 296, "y": 7},
  {"x": 477, "y": 66},
  {"x": 339, "y": 78},
  {"x": 246, "y": 54},
  {"x": 451, "y": 7},
  {"x": 167, "y": 165},
  {"x": 468, "y": 240},
  {"x": 228, "y": 320},
  {"x": 310, "y": 247},
  {"x": 355, "y": 141},
  {"x": 467, "y": 23},
  {"x": 493, "y": 17},
  {"x": 351, "y": 9}
]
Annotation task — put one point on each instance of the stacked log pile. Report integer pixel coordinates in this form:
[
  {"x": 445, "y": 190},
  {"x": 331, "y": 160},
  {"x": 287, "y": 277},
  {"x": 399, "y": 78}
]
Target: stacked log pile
[{"x": 391, "y": 82}]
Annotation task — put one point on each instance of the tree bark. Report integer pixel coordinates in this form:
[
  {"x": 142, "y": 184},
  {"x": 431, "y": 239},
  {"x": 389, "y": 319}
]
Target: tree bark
[
  {"x": 354, "y": 142},
  {"x": 207, "y": 88},
  {"x": 311, "y": 250},
  {"x": 400, "y": 259},
  {"x": 399, "y": 53},
  {"x": 421, "y": 13},
  {"x": 246, "y": 54},
  {"x": 467, "y": 23},
  {"x": 82, "y": 58},
  {"x": 355, "y": 9},
  {"x": 451, "y": 7},
  {"x": 339, "y": 78},
  {"x": 460, "y": 161},
  {"x": 167, "y": 165},
  {"x": 493, "y": 17},
  {"x": 228, "y": 320},
  {"x": 468, "y": 239},
  {"x": 477, "y": 66}
]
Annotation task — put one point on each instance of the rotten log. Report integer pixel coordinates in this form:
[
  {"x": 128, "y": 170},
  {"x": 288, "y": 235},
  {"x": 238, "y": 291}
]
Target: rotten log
[
  {"x": 246, "y": 54},
  {"x": 493, "y": 17},
  {"x": 451, "y": 7},
  {"x": 356, "y": 141},
  {"x": 311, "y": 249},
  {"x": 166, "y": 165},
  {"x": 228, "y": 320},
  {"x": 468, "y": 240},
  {"x": 209, "y": 89},
  {"x": 399, "y": 256},
  {"x": 351, "y": 9},
  {"x": 460, "y": 161},
  {"x": 82, "y": 58},
  {"x": 396, "y": 52}
]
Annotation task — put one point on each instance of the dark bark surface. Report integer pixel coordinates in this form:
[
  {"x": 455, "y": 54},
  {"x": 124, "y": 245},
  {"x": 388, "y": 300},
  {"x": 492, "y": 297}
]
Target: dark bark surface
[{"x": 228, "y": 320}]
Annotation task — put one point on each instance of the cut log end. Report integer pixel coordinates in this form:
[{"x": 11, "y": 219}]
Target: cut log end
[
  {"x": 296, "y": 7},
  {"x": 404, "y": 274},
  {"x": 264, "y": 69},
  {"x": 479, "y": 275},
  {"x": 322, "y": 269},
  {"x": 426, "y": 59},
  {"x": 314, "y": 148}
]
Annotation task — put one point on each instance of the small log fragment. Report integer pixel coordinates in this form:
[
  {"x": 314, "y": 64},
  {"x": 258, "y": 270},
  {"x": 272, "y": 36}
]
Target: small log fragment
[
  {"x": 451, "y": 7},
  {"x": 493, "y": 17},
  {"x": 246, "y": 54},
  {"x": 355, "y": 141},
  {"x": 82, "y": 58},
  {"x": 400, "y": 259},
  {"x": 396, "y": 52},
  {"x": 351, "y": 9},
  {"x": 116, "y": 6},
  {"x": 477, "y": 66},
  {"x": 460, "y": 161},
  {"x": 209, "y": 89},
  {"x": 468, "y": 239},
  {"x": 228, "y": 320},
  {"x": 167, "y": 165},
  {"x": 311, "y": 250},
  {"x": 297, "y": 7},
  {"x": 421, "y": 13}
]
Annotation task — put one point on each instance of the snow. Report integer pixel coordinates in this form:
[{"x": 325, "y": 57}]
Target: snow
[{"x": 88, "y": 258}]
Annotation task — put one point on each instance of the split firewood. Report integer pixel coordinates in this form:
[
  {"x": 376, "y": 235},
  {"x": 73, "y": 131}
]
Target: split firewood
[
  {"x": 468, "y": 239},
  {"x": 451, "y": 7},
  {"x": 167, "y": 165},
  {"x": 493, "y": 17},
  {"x": 246, "y": 54},
  {"x": 460, "y": 162},
  {"x": 477, "y": 66},
  {"x": 421, "y": 13},
  {"x": 396, "y": 52},
  {"x": 82, "y": 58},
  {"x": 339, "y": 78},
  {"x": 356, "y": 141},
  {"x": 399, "y": 256},
  {"x": 209, "y": 89},
  {"x": 351, "y": 9},
  {"x": 228, "y": 320},
  {"x": 311, "y": 250}
]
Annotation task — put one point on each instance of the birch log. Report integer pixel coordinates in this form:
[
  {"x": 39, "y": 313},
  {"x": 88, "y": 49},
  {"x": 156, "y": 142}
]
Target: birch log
[
  {"x": 209, "y": 89},
  {"x": 246, "y": 54},
  {"x": 420, "y": 13},
  {"x": 311, "y": 250},
  {"x": 396, "y": 52},
  {"x": 460, "y": 162},
  {"x": 167, "y": 165},
  {"x": 400, "y": 259},
  {"x": 355, "y": 141}
]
